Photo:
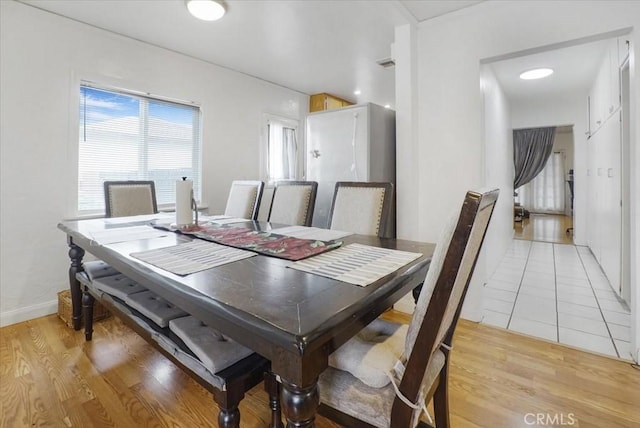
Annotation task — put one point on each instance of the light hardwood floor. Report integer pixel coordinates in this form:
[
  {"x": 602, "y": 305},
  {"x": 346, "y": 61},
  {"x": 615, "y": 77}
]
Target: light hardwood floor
[
  {"x": 544, "y": 227},
  {"x": 49, "y": 376}
]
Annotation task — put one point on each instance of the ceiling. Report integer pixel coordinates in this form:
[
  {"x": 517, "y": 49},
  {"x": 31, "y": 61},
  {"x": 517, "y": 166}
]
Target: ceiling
[
  {"x": 312, "y": 46},
  {"x": 575, "y": 69}
]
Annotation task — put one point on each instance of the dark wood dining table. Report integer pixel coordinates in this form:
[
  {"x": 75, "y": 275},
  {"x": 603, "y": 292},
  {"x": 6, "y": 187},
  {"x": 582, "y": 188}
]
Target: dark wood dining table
[{"x": 293, "y": 318}]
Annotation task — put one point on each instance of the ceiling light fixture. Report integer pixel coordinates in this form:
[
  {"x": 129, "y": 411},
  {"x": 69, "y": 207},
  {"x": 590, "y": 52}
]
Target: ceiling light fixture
[
  {"x": 536, "y": 73},
  {"x": 357, "y": 92},
  {"x": 207, "y": 10}
]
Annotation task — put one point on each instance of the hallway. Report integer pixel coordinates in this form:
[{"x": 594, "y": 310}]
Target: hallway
[
  {"x": 545, "y": 228},
  {"x": 557, "y": 292}
]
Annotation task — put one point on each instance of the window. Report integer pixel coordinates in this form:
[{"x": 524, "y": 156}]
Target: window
[
  {"x": 127, "y": 136},
  {"x": 282, "y": 149},
  {"x": 546, "y": 192}
]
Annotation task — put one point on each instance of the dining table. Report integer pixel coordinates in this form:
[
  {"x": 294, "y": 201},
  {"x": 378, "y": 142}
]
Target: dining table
[{"x": 293, "y": 318}]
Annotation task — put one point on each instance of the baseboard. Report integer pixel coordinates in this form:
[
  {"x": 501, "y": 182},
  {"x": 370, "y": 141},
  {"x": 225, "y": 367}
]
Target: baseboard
[{"x": 28, "y": 313}]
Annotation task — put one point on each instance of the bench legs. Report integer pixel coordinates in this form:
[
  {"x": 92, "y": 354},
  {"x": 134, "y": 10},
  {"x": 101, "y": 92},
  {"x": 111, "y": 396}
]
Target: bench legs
[
  {"x": 227, "y": 401},
  {"x": 272, "y": 387}
]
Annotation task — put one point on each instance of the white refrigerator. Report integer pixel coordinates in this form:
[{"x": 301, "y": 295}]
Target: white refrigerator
[{"x": 355, "y": 143}]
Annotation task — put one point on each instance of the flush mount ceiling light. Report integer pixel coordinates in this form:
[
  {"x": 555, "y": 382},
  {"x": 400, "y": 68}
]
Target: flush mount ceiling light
[
  {"x": 536, "y": 73},
  {"x": 207, "y": 10}
]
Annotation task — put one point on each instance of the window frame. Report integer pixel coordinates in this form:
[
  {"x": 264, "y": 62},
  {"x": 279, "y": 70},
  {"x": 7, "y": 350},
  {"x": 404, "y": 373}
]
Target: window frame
[
  {"x": 289, "y": 122},
  {"x": 75, "y": 134}
]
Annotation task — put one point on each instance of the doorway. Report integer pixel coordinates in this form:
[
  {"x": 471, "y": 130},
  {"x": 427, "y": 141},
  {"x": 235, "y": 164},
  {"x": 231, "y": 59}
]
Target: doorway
[
  {"x": 544, "y": 206},
  {"x": 552, "y": 290}
]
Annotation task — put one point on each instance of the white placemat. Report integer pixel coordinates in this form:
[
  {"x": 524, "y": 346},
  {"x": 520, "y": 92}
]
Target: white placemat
[
  {"x": 125, "y": 234},
  {"x": 356, "y": 263},
  {"x": 191, "y": 257},
  {"x": 138, "y": 218},
  {"x": 314, "y": 233}
]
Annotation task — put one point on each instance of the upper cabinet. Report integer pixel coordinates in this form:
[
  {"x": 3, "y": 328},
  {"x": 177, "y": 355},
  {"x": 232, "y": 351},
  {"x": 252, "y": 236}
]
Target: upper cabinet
[
  {"x": 604, "y": 97},
  {"x": 320, "y": 102}
]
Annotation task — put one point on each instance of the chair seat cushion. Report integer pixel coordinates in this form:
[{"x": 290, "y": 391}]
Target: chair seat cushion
[
  {"x": 119, "y": 286},
  {"x": 154, "y": 307},
  {"x": 372, "y": 353},
  {"x": 98, "y": 269},
  {"x": 214, "y": 350},
  {"x": 344, "y": 392}
]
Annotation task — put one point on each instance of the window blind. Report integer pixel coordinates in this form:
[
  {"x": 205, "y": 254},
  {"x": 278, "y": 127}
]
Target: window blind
[{"x": 127, "y": 136}]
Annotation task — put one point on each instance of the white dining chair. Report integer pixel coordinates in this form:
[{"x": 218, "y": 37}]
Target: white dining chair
[
  {"x": 244, "y": 199},
  {"x": 362, "y": 207},
  {"x": 293, "y": 202},
  {"x": 133, "y": 197},
  {"x": 386, "y": 374}
]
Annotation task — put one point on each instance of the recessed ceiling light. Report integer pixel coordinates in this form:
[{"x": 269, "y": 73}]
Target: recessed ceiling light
[
  {"x": 387, "y": 106},
  {"x": 207, "y": 10},
  {"x": 537, "y": 73},
  {"x": 357, "y": 92}
]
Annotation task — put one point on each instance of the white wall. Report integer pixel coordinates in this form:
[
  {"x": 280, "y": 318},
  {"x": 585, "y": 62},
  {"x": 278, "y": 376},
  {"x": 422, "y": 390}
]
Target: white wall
[
  {"x": 498, "y": 170},
  {"x": 450, "y": 134},
  {"x": 407, "y": 166},
  {"x": 44, "y": 57}
]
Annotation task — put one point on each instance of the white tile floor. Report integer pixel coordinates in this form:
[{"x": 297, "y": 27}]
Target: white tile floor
[{"x": 557, "y": 292}]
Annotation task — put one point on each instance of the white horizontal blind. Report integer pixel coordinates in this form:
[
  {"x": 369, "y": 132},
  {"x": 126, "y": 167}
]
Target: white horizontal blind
[{"x": 126, "y": 136}]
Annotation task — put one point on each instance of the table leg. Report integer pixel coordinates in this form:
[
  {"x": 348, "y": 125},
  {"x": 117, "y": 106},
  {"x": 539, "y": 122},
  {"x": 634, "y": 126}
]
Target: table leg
[
  {"x": 87, "y": 313},
  {"x": 75, "y": 254},
  {"x": 300, "y": 404}
]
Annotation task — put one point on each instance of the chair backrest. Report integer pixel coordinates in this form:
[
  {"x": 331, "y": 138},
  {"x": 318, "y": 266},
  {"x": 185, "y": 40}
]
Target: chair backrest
[
  {"x": 244, "y": 199},
  {"x": 125, "y": 198},
  {"x": 361, "y": 207},
  {"x": 440, "y": 302},
  {"x": 293, "y": 202}
]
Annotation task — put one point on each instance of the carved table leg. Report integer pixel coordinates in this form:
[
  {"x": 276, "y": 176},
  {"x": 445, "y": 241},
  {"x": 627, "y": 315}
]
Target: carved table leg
[
  {"x": 75, "y": 254},
  {"x": 300, "y": 404},
  {"x": 87, "y": 313}
]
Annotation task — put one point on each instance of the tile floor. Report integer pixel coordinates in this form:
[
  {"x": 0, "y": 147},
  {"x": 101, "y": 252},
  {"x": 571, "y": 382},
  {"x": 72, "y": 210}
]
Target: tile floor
[{"x": 558, "y": 292}]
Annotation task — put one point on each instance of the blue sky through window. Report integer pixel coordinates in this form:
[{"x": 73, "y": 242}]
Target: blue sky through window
[{"x": 101, "y": 105}]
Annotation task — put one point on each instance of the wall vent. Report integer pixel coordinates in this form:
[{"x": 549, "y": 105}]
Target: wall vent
[{"x": 386, "y": 62}]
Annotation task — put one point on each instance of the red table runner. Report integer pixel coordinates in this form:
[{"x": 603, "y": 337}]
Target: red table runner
[{"x": 267, "y": 243}]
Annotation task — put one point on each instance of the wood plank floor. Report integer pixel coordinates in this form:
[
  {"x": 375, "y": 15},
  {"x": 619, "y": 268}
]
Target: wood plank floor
[
  {"x": 49, "y": 376},
  {"x": 545, "y": 228}
]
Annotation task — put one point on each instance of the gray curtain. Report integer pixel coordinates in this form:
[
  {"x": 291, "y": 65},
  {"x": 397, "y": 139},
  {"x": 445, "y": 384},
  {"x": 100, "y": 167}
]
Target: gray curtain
[{"x": 531, "y": 149}]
